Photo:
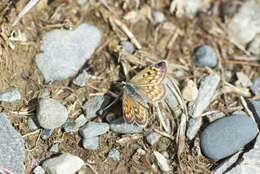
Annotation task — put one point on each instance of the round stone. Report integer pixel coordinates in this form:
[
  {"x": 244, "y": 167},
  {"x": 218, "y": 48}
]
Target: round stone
[
  {"x": 227, "y": 135},
  {"x": 205, "y": 56},
  {"x": 51, "y": 114}
]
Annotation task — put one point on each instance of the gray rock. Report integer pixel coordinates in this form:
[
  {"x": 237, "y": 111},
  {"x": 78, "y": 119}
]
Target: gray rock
[
  {"x": 114, "y": 154},
  {"x": 128, "y": 47},
  {"x": 31, "y": 124},
  {"x": 205, "y": 56},
  {"x": 256, "y": 86},
  {"x": 64, "y": 52},
  {"x": 162, "y": 162},
  {"x": 227, "y": 135},
  {"x": 207, "y": 89},
  {"x": 11, "y": 147},
  {"x": 193, "y": 127},
  {"x": 93, "y": 105},
  {"x": 74, "y": 125},
  {"x": 10, "y": 95},
  {"x": 254, "y": 46},
  {"x": 90, "y": 143},
  {"x": 158, "y": 17},
  {"x": 69, "y": 126},
  {"x": 243, "y": 79},
  {"x": 55, "y": 148},
  {"x": 63, "y": 164},
  {"x": 46, "y": 133},
  {"x": 250, "y": 161},
  {"x": 122, "y": 127},
  {"x": 152, "y": 138},
  {"x": 93, "y": 129},
  {"x": 247, "y": 17},
  {"x": 38, "y": 170},
  {"x": 81, "y": 79},
  {"x": 51, "y": 114}
]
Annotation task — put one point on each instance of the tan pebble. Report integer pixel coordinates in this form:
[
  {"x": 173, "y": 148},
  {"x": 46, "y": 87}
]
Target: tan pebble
[{"x": 190, "y": 91}]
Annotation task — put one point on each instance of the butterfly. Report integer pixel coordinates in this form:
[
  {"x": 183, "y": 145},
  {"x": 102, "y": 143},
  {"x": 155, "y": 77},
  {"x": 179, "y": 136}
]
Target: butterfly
[{"x": 143, "y": 89}]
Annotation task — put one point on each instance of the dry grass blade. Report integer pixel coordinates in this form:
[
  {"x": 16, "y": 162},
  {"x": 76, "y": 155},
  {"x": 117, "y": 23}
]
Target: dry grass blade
[{"x": 25, "y": 10}]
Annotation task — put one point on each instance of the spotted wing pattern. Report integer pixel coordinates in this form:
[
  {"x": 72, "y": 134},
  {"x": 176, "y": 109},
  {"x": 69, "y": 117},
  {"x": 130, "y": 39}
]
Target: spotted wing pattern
[{"x": 133, "y": 110}]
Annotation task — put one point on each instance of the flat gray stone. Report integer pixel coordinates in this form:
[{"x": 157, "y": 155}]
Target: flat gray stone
[
  {"x": 63, "y": 164},
  {"x": 64, "y": 52},
  {"x": 227, "y": 135},
  {"x": 51, "y": 113},
  {"x": 207, "y": 89},
  {"x": 122, "y": 127},
  {"x": 11, "y": 147},
  {"x": 93, "y": 129},
  {"x": 90, "y": 143},
  {"x": 10, "y": 95},
  {"x": 93, "y": 105},
  {"x": 114, "y": 154},
  {"x": 74, "y": 125}
]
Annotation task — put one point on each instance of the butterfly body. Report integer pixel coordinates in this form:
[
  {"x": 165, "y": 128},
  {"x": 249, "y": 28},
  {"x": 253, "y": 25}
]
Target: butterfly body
[{"x": 143, "y": 89}]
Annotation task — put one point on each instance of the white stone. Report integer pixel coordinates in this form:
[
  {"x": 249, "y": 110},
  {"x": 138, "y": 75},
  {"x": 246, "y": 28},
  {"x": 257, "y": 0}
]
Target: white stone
[{"x": 63, "y": 164}]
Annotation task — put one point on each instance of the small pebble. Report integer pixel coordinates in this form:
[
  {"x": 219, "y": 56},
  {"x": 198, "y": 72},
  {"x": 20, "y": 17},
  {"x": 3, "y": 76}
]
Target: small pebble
[
  {"x": 93, "y": 105},
  {"x": 122, "y": 127},
  {"x": 152, "y": 138},
  {"x": 93, "y": 129},
  {"x": 207, "y": 90},
  {"x": 114, "y": 154},
  {"x": 158, "y": 17},
  {"x": 63, "y": 164},
  {"x": 51, "y": 113},
  {"x": 256, "y": 86},
  {"x": 31, "y": 124},
  {"x": 162, "y": 161},
  {"x": 10, "y": 95},
  {"x": 38, "y": 170},
  {"x": 227, "y": 135},
  {"x": 74, "y": 125},
  {"x": 128, "y": 47},
  {"x": 81, "y": 79},
  {"x": 190, "y": 91},
  {"x": 46, "y": 133},
  {"x": 69, "y": 126},
  {"x": 205, "y": 56},
  {"x": 55, "y": 148},
  {"x": 90, "y": 143},
  {"x": 243, "y": 79}
]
